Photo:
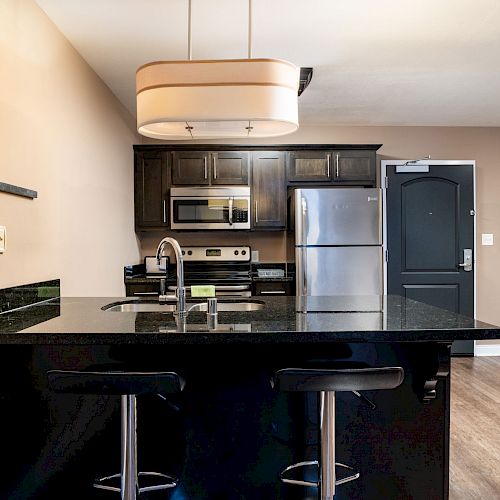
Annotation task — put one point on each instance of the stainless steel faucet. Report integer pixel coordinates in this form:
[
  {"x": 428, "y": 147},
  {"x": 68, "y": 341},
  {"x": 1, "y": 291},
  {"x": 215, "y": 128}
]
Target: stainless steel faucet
[{"x": 180, "y": 292}]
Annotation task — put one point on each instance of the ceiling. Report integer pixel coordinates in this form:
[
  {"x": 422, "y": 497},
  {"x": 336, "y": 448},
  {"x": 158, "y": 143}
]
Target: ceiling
[{"x": 384, "y": 62}]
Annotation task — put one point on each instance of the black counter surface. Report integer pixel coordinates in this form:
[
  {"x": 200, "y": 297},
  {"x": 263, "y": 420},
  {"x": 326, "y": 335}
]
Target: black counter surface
[{"x": 79, "y": 321}]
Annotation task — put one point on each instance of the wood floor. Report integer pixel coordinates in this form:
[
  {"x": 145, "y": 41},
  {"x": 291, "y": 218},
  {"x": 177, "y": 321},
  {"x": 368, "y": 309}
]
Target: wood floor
[{"x": 475, "y": 429}]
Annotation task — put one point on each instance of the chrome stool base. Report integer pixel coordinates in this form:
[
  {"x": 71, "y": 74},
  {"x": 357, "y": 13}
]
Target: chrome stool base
[
  {"x": 299, "y": 482},
  {"x": 129, "y": 488},
  {"x": 100, "y": 483}
]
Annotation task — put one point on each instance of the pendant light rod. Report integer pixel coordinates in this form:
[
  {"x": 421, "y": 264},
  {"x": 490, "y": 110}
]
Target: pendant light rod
[
  {"x": 190, "y": 34},
  {"x": 249, "y": 29}
]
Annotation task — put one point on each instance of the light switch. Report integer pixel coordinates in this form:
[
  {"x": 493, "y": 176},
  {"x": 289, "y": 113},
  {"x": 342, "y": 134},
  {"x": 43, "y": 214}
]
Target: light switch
[
  {"x": 486, "y": 239},
  {"x": 3, "y": 232}
]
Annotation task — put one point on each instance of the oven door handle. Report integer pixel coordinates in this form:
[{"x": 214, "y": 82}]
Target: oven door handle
[
  {"x": 221, "y": 288},
  {"x": 231, "y": 201}
]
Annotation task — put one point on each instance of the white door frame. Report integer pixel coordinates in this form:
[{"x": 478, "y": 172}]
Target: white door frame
[{"x": 383, "y": 182}]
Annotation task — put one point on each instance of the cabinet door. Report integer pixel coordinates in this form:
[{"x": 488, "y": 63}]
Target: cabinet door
[
  {"x": 269, "y": 190},
  {"x": 354, "y": 166},
  {"x": 151, "y": 190},
  {"x": 190, "y": 168},
  {"x": 310, "y": 166},
  {"x": 230, "y": 167}
]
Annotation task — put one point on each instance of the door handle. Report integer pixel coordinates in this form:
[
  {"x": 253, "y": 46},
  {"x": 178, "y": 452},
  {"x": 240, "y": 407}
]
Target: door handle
[
  {"x": 231, "y": 210},
  {"x": 205, "y": 167},
  {"x": 214, "y": 167},
  {"x": 467, "y": 263}
]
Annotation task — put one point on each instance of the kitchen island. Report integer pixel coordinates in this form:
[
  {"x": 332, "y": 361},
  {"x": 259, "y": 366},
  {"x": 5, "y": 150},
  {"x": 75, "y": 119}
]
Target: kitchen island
[{"x": 229, "y": 433}]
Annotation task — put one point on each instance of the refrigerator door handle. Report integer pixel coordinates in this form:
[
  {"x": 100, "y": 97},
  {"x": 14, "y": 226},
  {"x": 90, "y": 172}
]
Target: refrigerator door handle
[
  {"x": 304, "y": 269},
  {"x": 301, "y": 260}
]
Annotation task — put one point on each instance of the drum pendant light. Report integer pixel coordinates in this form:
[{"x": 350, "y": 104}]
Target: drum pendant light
[{"x": 211, "y": 99}]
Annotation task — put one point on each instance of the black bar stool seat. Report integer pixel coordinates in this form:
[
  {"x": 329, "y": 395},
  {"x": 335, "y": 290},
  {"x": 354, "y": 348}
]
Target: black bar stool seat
[
  {"x": 326, "y": 382},
  {"x": 127, "y": 384}
]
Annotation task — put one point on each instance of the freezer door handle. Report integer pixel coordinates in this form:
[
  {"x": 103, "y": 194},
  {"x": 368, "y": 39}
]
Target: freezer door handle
[{"x": 303, "y": 204}]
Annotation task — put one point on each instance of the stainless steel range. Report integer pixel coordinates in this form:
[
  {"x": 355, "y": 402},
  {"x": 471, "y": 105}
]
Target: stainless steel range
[{"x": 228, "y": 268}]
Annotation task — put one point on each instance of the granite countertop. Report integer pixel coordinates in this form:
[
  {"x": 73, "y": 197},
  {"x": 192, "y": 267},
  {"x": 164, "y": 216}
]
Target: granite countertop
[{"x": 81, "y": 321}]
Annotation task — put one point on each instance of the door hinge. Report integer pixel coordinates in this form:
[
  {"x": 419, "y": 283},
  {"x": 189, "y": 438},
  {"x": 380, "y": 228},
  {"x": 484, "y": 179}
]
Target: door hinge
[
  {"x": 472, "y": 213},
  {"x": 387, "y": 255},
  {"x": 386, "y": 182}
]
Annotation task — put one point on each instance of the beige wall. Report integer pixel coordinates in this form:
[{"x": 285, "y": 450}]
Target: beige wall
[
  {"x": 64, "y": 134},
  {"x": 447, "y": 143}
]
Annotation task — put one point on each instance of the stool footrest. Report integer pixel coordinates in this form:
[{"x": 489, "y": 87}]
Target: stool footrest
[
  {"x": 300, "y": 482},
  {"x": 172, "y": 482}
]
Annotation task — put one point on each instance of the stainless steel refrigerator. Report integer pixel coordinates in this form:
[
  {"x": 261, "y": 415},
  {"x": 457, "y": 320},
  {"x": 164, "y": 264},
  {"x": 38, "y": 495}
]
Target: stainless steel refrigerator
[{"x": 338, "y": 246}]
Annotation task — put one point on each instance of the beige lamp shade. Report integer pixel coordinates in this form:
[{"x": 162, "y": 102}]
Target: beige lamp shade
[{"x": 217, "y": 99}]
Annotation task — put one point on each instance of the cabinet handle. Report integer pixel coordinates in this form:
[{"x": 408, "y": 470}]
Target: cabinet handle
[
  {"x": 256, "y": 212},
  {"x": 165, "y": 211},
  {"x": 328, "y": 165},
  {"x": 205, "y": 164},
  {"x": 337, "y": 165},
  {"x": 215, "y": 167},
  {"x": 145, "y": 293},
  {"x": 272, "y": 292}
]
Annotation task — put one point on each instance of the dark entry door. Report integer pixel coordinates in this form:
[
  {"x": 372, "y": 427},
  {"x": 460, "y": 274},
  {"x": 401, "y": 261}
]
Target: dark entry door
[{"x": 430, "y": 235}]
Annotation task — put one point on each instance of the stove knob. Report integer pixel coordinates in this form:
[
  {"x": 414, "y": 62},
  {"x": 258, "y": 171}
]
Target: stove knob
[
  {"x": 243, "y": 252},
  {"x": 236, "y": 252},
  {"x": 190, "y": 252},
  {"x": 183, "y": 252}
]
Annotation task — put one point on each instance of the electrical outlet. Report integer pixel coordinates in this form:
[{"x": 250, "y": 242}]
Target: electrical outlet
[
  {"x": 486, "y": 239},
  {"x": 3, "y": 232}
]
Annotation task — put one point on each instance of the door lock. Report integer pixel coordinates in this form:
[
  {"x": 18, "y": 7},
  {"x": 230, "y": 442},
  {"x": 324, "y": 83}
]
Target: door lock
[{"x": 467, "y": 263}]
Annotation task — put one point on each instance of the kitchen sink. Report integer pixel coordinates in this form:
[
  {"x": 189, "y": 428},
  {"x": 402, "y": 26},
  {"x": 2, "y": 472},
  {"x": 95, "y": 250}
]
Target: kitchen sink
[{"x": 149, "y": 306}]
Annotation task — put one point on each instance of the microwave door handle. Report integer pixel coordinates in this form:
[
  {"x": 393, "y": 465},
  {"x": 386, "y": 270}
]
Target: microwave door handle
[{"x": 231, "y": 200}]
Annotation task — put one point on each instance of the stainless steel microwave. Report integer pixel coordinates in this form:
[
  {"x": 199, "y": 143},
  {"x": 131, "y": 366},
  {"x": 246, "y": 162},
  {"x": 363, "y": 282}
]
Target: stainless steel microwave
[{"x": 210, "y": 208}]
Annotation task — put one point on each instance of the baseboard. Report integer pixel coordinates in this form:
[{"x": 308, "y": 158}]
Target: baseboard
[{"x": 487, "y": 350}]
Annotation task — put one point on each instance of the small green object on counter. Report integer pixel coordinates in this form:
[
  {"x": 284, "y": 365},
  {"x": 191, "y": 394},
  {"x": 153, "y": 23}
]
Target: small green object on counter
[
  {"x": 48, "y": 291},
  {"x": 202, "y": 291}
]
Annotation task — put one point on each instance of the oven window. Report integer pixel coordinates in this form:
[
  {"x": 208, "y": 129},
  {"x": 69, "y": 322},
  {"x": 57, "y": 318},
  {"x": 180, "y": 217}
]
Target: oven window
[{"x": 207, "y": 210}]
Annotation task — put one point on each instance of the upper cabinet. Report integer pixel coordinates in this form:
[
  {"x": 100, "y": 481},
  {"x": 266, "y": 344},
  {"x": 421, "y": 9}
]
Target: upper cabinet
[
  {"x": 354, "y": 167},
  {"x": 230, "y": 167},
  {"x": 203, "y": 168},
  {"x": 151, "y": 190},
  {"x": 269, "y": 190},
  {"x": 309, "y": 166},
  {"x": 190, "y": 168}
]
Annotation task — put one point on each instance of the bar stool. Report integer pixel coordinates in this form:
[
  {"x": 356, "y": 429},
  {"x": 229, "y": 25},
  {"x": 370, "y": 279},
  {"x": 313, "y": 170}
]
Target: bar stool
[
  {"x": 127, "y": 385},
  {"x": 326, "y": 383}
]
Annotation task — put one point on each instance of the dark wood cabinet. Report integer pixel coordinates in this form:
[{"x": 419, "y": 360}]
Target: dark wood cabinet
[
  {"x": 202, "y": 168},
  {"x": 190, "y": 168},
  {"x": 268, "y": 190},
  {"x": 230, "y": 167},
  {"x": 151, "y": 190},
  {"x": 309, "y": 166},
  {"x": 354, "y": 166},
  {"x": 264, "y": 168}
]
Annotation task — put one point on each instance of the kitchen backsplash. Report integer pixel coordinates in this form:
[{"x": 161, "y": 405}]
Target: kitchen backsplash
[{"x": 272, "y": 246}]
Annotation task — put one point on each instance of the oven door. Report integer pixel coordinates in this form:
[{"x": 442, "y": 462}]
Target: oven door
[{"x": 211, "y": 212}]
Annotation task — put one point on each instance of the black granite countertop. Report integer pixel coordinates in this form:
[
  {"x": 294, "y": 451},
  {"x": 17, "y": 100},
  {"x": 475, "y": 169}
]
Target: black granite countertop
[{"x": 82, "y": 321}]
